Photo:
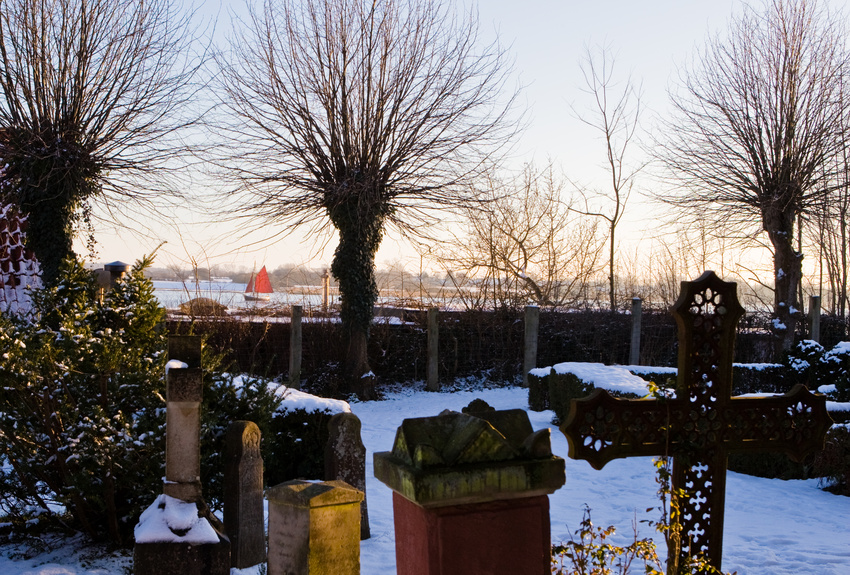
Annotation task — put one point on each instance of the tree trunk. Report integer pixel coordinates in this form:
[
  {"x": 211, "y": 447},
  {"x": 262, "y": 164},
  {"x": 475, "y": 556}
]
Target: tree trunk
[
  {"x": 50, "y": 235},
  {"x": 788, "y": 273},
  {"x": 354, "y": 268}
]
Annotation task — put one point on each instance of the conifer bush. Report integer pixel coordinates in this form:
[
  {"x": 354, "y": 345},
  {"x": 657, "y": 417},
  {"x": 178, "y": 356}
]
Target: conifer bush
[{"x": 82, "y": 406}]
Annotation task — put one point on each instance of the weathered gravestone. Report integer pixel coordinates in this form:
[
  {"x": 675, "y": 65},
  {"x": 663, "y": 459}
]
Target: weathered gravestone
[
  {"x": 470, "y": 493},
  {"x": 244, "y": 521},
  {"x": 703, "y": 423},
  {"x": 345, "y": 459},
  {"x": 178, "y": 535}
]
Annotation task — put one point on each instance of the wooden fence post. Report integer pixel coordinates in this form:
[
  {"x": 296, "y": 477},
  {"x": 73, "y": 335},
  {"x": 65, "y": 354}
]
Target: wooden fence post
[{"x": 532, "y": 323}]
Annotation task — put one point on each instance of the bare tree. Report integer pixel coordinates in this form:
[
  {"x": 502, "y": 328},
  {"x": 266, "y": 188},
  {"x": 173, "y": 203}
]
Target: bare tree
[
  {"x": 89, "y": 94},
  {"x": 615, "y": 113},
  {"x": 528, "y": 246},
  {"x": 828, "y": 230},
  {"x": 359, "y": 115},
  {"x": 755, "y": 125}
]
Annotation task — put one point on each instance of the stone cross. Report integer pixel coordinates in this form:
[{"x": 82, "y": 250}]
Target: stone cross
[
  {"x": 184, "y": 384},
  {"x": 243, "y": 495},
  {"x": 703, "y": 424}
]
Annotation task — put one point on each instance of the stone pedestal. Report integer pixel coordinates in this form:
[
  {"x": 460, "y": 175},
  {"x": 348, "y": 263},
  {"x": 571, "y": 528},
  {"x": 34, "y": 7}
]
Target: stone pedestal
[
  {"x": 176, "y": 537},
  {"x": 471, "y": 494},
  {"x": 314, "y": 528}
]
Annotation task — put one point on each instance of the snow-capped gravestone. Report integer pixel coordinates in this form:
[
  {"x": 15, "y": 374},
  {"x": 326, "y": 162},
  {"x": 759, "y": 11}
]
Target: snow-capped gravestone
[
  {"x": 243, "y": 495},
  {"x": 19, "y": 270},
  {"x": 314, "y": 528},
  {"x": 178, "y": 535},
  {"x": 703, "y": 423},
  {"x": 470, "y": 493},
  {"x": 345, "y": 459}
]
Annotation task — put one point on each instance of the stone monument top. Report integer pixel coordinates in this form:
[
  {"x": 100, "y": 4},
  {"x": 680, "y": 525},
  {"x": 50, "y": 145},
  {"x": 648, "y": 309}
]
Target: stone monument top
[{"x": 455, "y": 458}]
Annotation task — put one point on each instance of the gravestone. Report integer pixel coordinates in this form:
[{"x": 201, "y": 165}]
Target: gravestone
[
  {"x": 244, "y": 521},
  {"x": 314, "y": 528},
  {"x": 178, "y": 535},
  {"x": 345, "y": 459},
  {"x": 703, "y": 423},
  {"x": 470, "y": 493}
]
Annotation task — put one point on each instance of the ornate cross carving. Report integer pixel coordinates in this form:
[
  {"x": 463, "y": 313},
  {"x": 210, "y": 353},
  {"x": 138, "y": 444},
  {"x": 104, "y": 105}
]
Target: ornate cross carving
[{"x": 703, "y": 424}]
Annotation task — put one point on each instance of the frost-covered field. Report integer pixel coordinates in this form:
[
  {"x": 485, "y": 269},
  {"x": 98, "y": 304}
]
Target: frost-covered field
[{"x": 772, "y": 527}]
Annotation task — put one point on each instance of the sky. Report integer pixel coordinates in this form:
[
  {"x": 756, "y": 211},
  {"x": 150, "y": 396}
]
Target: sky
[{"x": 547, "y": 39}]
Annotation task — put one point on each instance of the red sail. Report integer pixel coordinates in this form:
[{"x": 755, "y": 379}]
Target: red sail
[{"x": 262, "y": 283}]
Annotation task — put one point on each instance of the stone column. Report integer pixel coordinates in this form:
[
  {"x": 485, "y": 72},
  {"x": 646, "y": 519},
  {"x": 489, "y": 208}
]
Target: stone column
[
  {"x": 634, "y": 351},
  {"x": 532, "y": 324},
  {"x": 314, "y": 528},
  {"x": 184, "y": 382},
  {"x": 326, "y": 288},
  {"x": 471, "y": 494},
  {"x": 177, "y": 534},
  {"x": 109, "y": 276},
  {"x": 432, "y": 370},
  {"x": 244, "y": 519},
  {"x": 295, "y": 340},
  {"x": 814, "y": 312}
]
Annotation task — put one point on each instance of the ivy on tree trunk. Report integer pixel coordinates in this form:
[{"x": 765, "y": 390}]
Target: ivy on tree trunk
[
  {"x": 360, "y": 234},
  {"x": 788, "y": 273}
]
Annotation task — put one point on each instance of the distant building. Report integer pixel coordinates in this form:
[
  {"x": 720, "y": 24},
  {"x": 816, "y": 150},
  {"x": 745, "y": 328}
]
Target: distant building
[{"x": 18, "y": 267}]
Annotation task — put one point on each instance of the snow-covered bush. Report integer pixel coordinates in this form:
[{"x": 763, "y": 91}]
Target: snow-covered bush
[
  {"x": 802, "y": 364},
  {"x": 835, "y": 370},
  {"x": 81, "y": 406},
  {"x": 833, "y": 463}
]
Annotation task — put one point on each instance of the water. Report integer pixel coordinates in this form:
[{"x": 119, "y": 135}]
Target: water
[{"x": 172, "y": 293}]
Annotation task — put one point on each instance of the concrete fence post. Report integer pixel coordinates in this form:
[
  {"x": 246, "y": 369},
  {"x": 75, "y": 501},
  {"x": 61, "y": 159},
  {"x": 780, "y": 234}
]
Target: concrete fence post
[
  {"x": 532, "y": 324},
  {"x": 634, "y": 352},
  {"x": 326, "y": 289},
  {"x": 432, "y": 377},
  {"x": 295, "y": 342}
]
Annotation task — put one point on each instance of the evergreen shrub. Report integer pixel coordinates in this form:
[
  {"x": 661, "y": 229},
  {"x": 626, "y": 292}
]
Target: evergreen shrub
[
  {"x": 81, "y": 406},
  {"x": 833, "y": 463}
]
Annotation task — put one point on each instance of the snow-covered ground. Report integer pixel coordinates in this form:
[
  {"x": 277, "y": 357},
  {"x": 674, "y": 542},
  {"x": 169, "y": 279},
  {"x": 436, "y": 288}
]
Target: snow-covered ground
[{"x": 772, "y": 527}]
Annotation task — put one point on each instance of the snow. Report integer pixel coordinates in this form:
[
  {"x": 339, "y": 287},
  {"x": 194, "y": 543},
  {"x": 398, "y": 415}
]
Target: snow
[
  {"x": 295, "y": 399},
  {"x": 175, "y": 364},
  {"x": 772, "y": 526},
  {"x": 170, "y": 520},
  {"x": 610, "y": 377}
]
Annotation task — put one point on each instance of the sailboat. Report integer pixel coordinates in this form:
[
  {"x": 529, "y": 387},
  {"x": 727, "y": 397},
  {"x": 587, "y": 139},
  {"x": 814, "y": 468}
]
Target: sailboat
[{"x": 259, "y": 287}]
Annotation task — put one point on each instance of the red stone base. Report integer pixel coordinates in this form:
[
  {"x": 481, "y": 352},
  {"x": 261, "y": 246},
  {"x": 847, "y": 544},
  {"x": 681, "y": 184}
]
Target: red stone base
[{"x": 508, "y": 537}]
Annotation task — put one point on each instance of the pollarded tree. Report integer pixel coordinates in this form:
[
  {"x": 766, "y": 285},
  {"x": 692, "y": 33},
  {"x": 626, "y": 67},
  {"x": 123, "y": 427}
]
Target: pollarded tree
[
  {"x": 756, "y": 123},
  {"x": 360, "y": 114},
  {"x": 89, "y": 95}
]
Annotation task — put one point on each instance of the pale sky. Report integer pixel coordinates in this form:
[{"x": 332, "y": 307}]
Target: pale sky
[{"x": 547, "y": 39}]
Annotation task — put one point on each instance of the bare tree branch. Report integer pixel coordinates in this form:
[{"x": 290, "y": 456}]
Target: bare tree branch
[
  {"x": 92, "y": 108},
  {"x": 360, "y": 114}
]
